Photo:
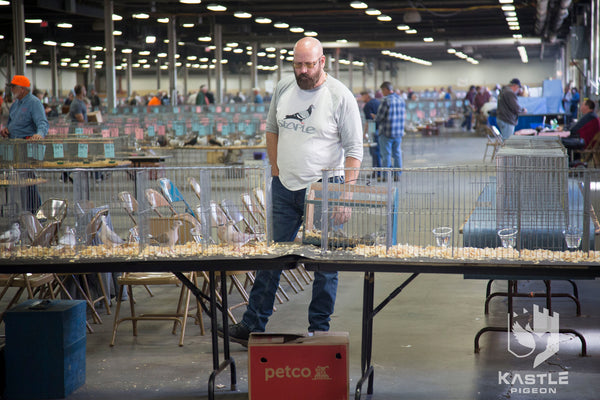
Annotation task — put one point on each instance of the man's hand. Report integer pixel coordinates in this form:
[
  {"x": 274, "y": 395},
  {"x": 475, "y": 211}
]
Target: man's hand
[
  {"x": 4, "y": 132},
  {"x": 36, "y": 137}
]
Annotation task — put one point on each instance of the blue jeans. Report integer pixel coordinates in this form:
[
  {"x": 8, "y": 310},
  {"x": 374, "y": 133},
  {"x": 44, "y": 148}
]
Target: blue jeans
[
  {"x": 506, "y": 129},
  {"x": 374, "y": 151},
  {"x": 288, "y": 212},
  {"x": 390, "y": 148}
]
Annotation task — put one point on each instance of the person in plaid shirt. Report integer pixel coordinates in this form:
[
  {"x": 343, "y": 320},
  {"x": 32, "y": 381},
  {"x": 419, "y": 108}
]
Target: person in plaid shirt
[{"x": 390, "y": 118}]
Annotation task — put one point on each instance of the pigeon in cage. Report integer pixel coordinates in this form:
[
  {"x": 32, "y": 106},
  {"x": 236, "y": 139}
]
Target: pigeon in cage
[
  {"x": 228, "y": 234},
  {"x": 170, "y": 237},
  {"x": 11, "y": 236},
  {"x": 107, "y": 235},
  {"x": 68, "y": 238}
]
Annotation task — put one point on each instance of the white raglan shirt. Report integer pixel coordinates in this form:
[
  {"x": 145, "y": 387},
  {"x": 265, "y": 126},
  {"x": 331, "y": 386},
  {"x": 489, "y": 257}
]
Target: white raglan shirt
[{"x": 316, "y": 129}]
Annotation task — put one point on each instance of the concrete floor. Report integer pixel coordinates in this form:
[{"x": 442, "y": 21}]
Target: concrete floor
[{"x": 423, "y": 340}]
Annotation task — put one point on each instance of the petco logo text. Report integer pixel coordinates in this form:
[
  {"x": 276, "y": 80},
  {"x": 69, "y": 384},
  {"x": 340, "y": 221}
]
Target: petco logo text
[{"x": 297, "y": 373}]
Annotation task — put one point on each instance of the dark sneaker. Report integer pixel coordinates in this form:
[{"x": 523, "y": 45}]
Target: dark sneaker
[{"x": 238, "y": 333}]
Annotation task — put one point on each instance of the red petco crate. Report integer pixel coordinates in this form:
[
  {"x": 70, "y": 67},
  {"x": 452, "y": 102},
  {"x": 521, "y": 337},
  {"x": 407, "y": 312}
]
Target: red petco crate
[{"x": 298, "y": 366}]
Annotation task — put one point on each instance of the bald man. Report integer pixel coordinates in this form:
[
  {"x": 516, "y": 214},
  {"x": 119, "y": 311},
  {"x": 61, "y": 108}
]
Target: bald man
[{"x": 313, "y": 124}]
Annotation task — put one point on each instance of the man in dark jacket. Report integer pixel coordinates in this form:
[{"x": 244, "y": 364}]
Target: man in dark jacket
[{"x": 507, "y": 114}]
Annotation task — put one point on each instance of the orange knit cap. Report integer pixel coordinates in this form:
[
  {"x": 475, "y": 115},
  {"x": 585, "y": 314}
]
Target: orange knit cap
[{"x": 20, "y": 80}]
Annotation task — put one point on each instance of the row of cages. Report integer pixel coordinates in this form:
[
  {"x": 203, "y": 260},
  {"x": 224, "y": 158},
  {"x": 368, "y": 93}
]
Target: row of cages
[
  {"x": 458, "y": 214},
  {"x": 190, "y": 108},
  {"x": 167, "y": 125},
  {"x": 111, "y": 152}
]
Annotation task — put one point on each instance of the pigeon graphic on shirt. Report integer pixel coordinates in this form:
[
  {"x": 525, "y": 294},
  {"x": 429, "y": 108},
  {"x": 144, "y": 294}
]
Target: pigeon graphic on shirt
[{"x": 301, "y": 115}]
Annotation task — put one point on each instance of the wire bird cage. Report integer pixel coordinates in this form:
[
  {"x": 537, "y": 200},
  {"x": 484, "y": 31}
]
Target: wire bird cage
[
  {"x": 532, "y": 190},
  {"x": 446, "y": 214},
  {"x": 118, "y": 212},
  {"x": 453, "y": 213}
]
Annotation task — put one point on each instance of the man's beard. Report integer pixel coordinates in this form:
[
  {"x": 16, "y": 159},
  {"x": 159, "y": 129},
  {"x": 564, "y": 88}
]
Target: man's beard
[{"x": 306, "y": 81}]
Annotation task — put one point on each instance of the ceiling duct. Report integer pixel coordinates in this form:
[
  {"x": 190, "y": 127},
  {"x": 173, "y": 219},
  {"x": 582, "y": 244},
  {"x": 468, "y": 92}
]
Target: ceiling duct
[
  {"x": 561, "y": 14},
  {"x": 541, "y": 16},
  {"x": 412, "y": 17}
]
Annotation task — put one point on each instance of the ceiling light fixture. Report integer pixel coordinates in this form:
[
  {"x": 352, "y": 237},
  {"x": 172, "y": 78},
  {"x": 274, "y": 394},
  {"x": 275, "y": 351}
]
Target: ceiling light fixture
[
  {"x": 116, "y": 17},
  {"x": 96, "y": 48},
  {"x": 64, "y": 25},
  {"x": 33, "y": 21},
  {"x": 164, "y": 20},
  {"x": 403, "y": 27},
  {"x": 505, "y": 1},
  {"x": 117, "y": 33},
  {"x": 68, "y": 44},
  {"x": 296, "y": 29},
  {"x": 311, "y": 33},
  {"x": 49, "y": 43},
  {"x": 281, "y": 25},
  {"x": 127, "y": 51},
  {"x": 141, "y": 16},
  {"x": 150, "y": 39},
  {"x": 190, "y": 1},
  {"x": 216, "y": 7},
  {"x": 523, "y": 54},
  {"x": 384, "y": 18},
  {"x": 372, "y": 11},
  {"x": 428, "y": 39},
  {"x": 262, "y": 20},
  {"x": 359, "y": 5},
  {"x": 508, "y": 7},
  {"x": 242, "y": 14},
  {"x": 4, "y": 3},
  {"x": 188, "y": 25},
  {"x": 204, "y": 39},
  {"x": 411, "y": 31}
]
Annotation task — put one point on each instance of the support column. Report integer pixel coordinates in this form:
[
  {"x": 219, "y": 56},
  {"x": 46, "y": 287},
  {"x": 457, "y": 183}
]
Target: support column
[
  {"x": 594, "y": 49},
  {"x": 253, "y": 69},
  {"x": 129, "y": 74},
  {"x": 279, "y": 64},
  {"x": 157, "y": 74},
  {"x": 376, "y": 82},
  {"x": 350, "y": 70},
  {"x": 336, "y": 66},
  {"x": 218, "y": 37},
  {"x": 53, "y": 73},
  {"x": 109, "y": 62},
  {"x": 92, "y": 71},
  {"x": 364, "y": 74},
  {"x": 172, "y": 49},
  {"x": 18, "y": 16},
  {"x": 185, "y": 80}
]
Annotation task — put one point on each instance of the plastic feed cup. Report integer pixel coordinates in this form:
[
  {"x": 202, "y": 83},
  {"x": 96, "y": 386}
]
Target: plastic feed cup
[
  {"x": 572, "y": 237},
  {"x": 442, "y": 235},
  {"x": 508, "y": 237}
]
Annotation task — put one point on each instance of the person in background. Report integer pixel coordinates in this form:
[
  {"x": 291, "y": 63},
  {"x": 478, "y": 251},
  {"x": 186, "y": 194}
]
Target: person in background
[
  {"x": 583, "y": 131},
  {"x": 78, "y": 108},
  {"x": 204, "y": 97},
  {"x": 94, "y": 100},
  {"x": 370, "y": 109},
  {"x": 390, "y": 119},
  {"x": 257, "y": 97},
  {"x": 154, "y": 100},
  {"x": 574, "y": 103},
  {"x": 26, "y": 120},
  {"x": 69, "y": 98},
  {"x": 314, "y": 124},
  {"x": 469, "y": 108},
  {"x": 507, "y": 114}
]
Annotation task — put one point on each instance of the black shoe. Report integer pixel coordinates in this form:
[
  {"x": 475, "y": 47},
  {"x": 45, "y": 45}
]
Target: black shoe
[{"x": 238, "y": 333}]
